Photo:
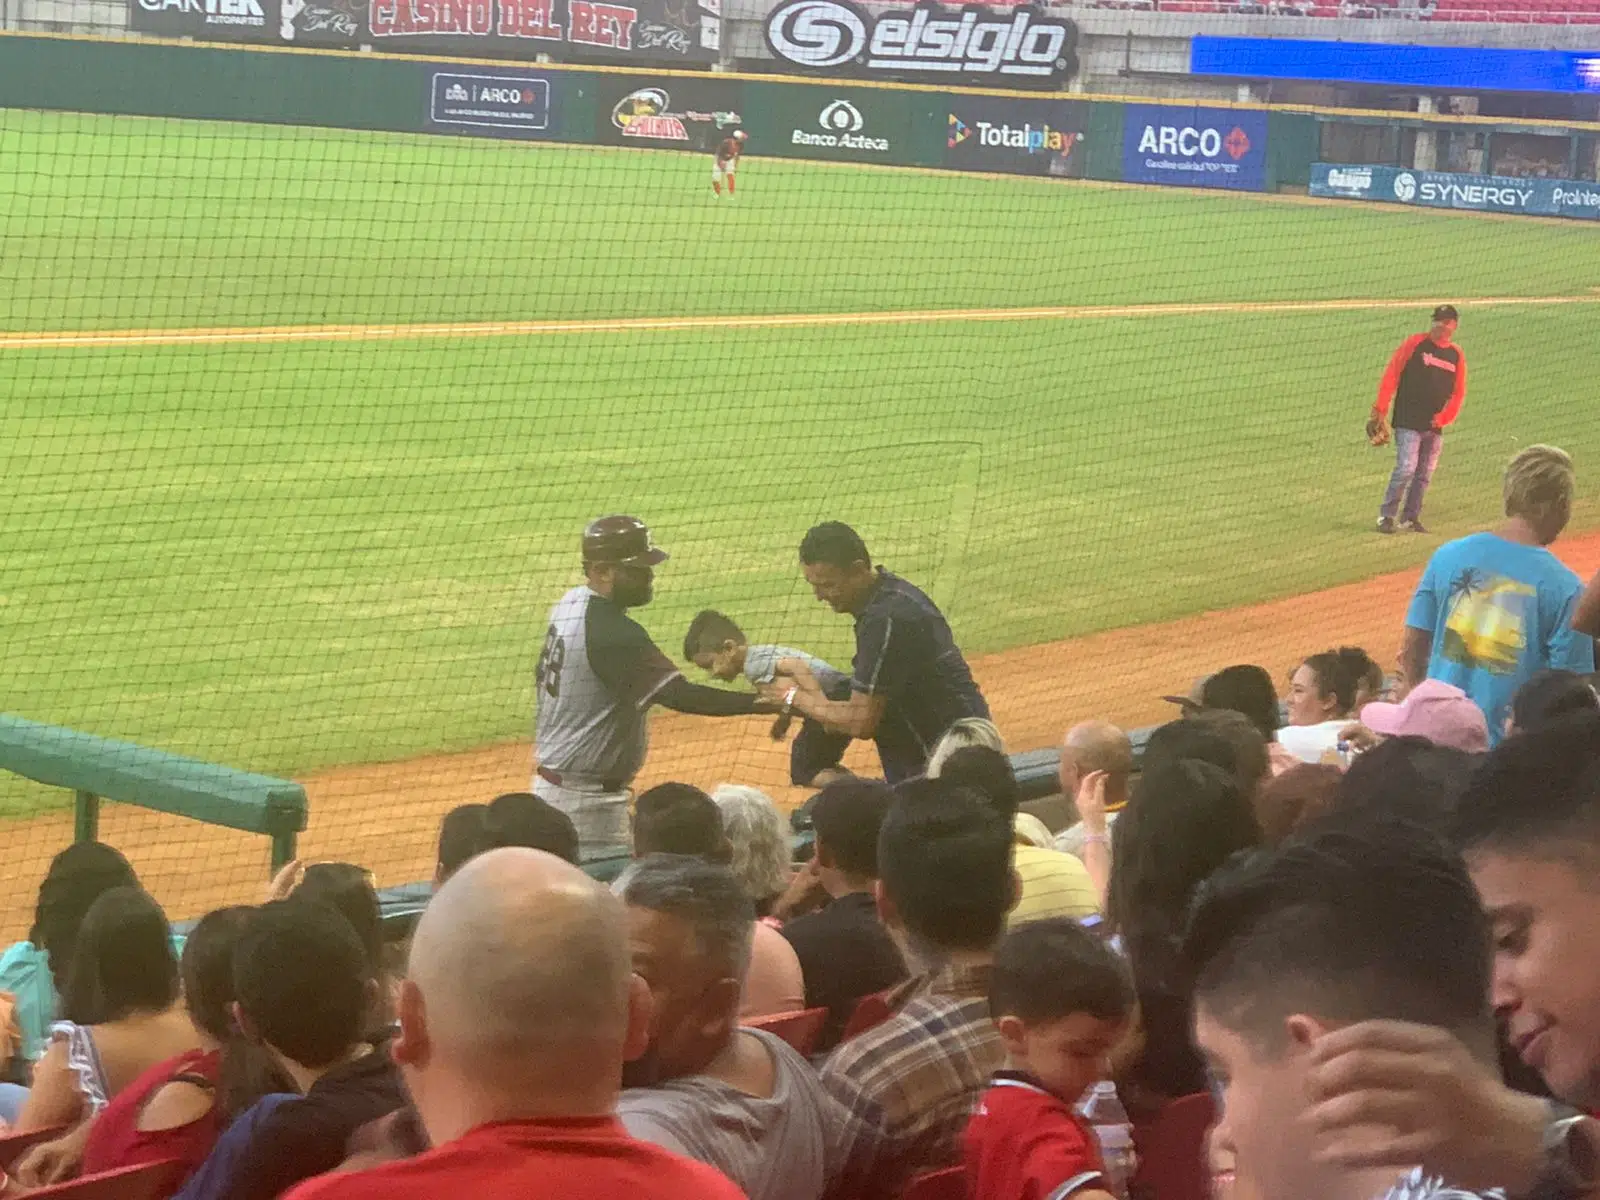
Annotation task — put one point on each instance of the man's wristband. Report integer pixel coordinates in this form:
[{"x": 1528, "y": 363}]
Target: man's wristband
[{"x": 788, "y": 700}]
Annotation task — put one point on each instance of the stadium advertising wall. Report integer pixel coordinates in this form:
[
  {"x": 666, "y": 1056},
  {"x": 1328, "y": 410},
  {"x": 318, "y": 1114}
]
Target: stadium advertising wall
[
  {"x": 977, "y": 45},
  {"x": 1185, "y": 146},
  {"x": 671, "y": 111},
  {"x": 1442, "y": 189},
  {"x": 792, "y": 119},
  {"x": 1020, "y": 137},
  {"x": 491, "y": 102},
  {"x": 842, "y": 123},
  {"x": 660, "y": 32}
]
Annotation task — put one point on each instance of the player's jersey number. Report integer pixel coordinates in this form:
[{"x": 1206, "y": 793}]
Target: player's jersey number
[{"x": 551, "y": 659}]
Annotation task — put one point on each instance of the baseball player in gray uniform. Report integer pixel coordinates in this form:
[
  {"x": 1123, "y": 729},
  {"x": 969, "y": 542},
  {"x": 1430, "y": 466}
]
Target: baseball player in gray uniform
[{"x": 598, "y": 675}]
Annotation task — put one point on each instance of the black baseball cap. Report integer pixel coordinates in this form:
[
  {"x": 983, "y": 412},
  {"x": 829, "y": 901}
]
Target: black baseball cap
[
  {"x": 1446, "y": 312},
  {"x": 621, "y": 541},
  {"x": 1243, "y": 688},
  {"x": 1194, "y": 701}
]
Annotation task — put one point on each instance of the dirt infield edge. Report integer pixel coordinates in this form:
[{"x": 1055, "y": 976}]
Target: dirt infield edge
[{"x": 385, "y": 816}]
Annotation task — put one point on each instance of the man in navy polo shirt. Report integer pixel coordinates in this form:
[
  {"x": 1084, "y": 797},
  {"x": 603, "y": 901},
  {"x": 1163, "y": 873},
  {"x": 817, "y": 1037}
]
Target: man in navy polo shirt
[{"x": 910, "y": 682}]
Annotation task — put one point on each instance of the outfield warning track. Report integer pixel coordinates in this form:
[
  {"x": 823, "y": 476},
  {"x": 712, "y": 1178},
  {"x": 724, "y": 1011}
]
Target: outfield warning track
[{"x": 243, "y": 334}]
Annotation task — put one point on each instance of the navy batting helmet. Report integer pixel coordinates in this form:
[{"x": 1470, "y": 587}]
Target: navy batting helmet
[{"x": 620, "y": 541}]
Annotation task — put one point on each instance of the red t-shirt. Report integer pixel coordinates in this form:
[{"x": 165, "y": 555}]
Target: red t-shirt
[
  {"x": 575, "y": 1158},
  {"x": 115, "y": 1139},
  {"x": 1026, "y": 1143}
]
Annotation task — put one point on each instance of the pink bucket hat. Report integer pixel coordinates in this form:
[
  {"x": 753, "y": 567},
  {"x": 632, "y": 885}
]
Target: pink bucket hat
[{"x": 1439, "y": 712}]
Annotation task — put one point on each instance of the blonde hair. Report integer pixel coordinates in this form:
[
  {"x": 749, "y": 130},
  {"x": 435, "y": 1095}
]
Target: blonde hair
[
  {"x": 1538, "y": 486},
  {"x": 968, "y": 731},
  {"x": 760, "y": 840}
]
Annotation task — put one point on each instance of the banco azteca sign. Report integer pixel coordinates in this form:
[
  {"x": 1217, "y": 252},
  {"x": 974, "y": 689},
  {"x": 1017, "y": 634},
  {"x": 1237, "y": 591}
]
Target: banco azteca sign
[{"x": 975, "y": 44}]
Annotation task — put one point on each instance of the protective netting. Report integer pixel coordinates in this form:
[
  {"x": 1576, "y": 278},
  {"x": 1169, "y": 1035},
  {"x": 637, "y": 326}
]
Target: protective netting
[{"x": 301, "y": 427}]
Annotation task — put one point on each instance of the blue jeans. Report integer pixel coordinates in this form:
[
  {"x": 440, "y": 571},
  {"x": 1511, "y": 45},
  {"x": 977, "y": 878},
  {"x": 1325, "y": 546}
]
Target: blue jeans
[{"x": 1416, "y": 454}]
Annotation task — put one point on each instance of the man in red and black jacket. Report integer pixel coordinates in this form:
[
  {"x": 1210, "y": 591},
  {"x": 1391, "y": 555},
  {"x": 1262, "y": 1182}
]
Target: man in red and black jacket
[{"x": 1426, "y": 381}]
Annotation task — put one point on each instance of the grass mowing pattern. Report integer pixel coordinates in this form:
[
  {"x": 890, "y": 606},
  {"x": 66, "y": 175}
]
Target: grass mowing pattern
[{"x": 289, "y": 556}]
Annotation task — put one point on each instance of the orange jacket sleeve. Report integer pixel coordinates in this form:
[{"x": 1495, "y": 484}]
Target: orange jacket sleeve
[
  {"x": 1391, "y": 373},
  {"x": 1452, "y": 406}
]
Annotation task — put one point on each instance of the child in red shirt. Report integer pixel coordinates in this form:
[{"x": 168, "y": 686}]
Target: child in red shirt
[{"x": 1061, "y": 1000}]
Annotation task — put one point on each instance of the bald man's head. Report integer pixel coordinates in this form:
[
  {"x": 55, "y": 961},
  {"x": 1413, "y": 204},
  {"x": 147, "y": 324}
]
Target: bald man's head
[
  {"x": 1095, "y": 746},
  {"x": 522, "y": 959}
]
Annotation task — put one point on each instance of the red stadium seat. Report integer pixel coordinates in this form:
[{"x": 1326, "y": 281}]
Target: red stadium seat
[
  {"x": 12, "y": 1145},
  {"x": 148, "y": 1181},
  {"x": 800, "y": 1029},
  {"x": 1173, "y": 1163},
  {"x": 870, "y": 1010},
  {"x": 948, "y": 1184}
]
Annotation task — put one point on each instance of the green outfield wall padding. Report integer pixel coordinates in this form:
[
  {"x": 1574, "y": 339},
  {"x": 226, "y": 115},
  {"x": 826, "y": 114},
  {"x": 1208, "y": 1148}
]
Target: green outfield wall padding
[
  {"x": 1292, "y": 145},
  {"x": 1103, "y": 141},
  {"x": 159, "y": 80}
]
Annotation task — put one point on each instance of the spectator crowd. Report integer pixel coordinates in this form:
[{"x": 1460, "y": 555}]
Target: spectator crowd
[{"x": 1353, "y": 925}]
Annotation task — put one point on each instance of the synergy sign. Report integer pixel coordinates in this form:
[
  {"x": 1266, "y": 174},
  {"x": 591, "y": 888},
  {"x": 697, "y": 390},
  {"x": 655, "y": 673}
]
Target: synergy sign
[
  {"x": 974, "y": 45},
  {"x": 1443, "y": 189},
  {"x": 1508, "y": 194}
]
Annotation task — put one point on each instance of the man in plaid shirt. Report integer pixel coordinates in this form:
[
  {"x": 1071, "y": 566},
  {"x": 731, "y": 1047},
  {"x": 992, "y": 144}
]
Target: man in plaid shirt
[{"x": 944, "y": 861}]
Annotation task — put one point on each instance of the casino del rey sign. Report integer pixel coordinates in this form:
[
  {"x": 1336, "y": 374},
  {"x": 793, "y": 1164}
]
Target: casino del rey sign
[{"x": 975, "y": 44}]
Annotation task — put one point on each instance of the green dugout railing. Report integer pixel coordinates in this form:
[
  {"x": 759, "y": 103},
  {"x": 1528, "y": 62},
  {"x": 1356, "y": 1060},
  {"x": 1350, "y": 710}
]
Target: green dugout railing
[{"x": 97, "y": 769}]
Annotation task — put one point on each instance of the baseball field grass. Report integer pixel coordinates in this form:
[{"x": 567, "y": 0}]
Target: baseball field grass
[{"x": 336, "y": 544}]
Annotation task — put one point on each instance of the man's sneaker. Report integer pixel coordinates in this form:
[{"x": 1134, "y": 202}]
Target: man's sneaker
[
  {"x": 1385, "y": 524},
  {"x": 1414, "y": 527}
]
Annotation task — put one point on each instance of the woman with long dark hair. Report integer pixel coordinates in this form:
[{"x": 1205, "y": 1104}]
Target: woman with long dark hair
[
  {"x": 120, "y": 1007},
  {"x": 34, "y": 971},
  {"x": 177, "y": 1109},
  {"x": 1185, "y": 819}
]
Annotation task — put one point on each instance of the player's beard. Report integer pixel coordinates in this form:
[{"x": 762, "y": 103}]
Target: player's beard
[{"x": 632, "y": 590}]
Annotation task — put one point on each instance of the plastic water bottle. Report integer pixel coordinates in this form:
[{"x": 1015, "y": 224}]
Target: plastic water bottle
[{"x": 1102, "y": 1109}]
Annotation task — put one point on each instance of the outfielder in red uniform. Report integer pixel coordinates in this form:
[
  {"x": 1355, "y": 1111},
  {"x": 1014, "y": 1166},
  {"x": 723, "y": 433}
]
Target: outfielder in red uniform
[
  {"x": 1426, "y": 381},
  {"x": 727, "y": 162}
]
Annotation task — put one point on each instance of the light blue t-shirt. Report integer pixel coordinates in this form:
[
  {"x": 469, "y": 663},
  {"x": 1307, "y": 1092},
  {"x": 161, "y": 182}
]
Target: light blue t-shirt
[
  {"x": 1498, "y": 611},
  {"x": 761, "y": 665},
  {"x": 25, "y": 973}
]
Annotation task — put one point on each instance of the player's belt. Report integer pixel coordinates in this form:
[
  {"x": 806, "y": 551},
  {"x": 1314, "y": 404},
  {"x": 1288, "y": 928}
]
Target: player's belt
[{"x": 560, "y": 780}]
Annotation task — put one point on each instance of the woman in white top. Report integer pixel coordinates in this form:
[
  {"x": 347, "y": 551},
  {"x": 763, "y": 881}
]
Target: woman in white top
[{"x": 1322, "y": 700}]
